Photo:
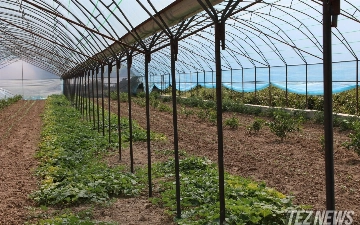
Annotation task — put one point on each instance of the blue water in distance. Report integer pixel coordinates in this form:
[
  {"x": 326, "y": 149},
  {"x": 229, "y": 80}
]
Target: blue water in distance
[{"x": 300, "y": 79}]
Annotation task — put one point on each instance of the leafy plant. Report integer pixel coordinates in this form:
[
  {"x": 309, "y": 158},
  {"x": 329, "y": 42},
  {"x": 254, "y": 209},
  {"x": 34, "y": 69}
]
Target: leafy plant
[
  {"x": 212, "y": 114},
  {"x": 202, "y": 114},
  {"x": 247, "y": 202},
  {"x": 283, "y": 123},
  {"x": 123, "y": 96},
  {"x": 354, "y": 136},
  {"x": 232, "y": 122},
  {"x": 71, "y": 169},
  {"x": 256, "y": 125},
  {"x": 164, "y": 108},
  {"x": 9, "y": 101}
]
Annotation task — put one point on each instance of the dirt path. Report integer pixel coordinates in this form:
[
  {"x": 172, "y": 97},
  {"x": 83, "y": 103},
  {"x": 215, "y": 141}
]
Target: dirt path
[
  {"x": 295, "y": 167},
  {"x": 20, "y": 126}
]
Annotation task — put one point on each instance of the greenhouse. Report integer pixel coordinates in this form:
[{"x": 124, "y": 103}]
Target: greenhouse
[{"x": 179, "y": 112}]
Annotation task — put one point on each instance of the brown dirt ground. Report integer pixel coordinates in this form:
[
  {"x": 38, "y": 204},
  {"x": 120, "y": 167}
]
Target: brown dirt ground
[
  {"x": 295, "y": 167},
  {"x": 20, "y": 126}
]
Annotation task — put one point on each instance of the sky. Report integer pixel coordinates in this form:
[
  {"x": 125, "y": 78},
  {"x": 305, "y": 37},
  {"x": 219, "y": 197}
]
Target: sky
[{"x": 13, "y": 71}]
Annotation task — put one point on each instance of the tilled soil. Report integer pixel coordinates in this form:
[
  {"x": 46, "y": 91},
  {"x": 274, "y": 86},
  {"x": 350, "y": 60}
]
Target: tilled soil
[
  {"x": 295, "y": 167},
  {"x": 20, "y": 126}
]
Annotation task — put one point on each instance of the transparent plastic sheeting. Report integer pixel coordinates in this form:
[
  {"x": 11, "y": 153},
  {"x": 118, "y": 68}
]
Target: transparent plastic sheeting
[
  {"x": 32, "y": 89},
  {"x": 300, "y": 79},
  {"x": 5, "y": 94}
]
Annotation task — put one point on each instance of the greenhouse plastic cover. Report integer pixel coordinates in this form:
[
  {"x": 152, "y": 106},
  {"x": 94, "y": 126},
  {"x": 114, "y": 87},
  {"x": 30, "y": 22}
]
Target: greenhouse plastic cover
[{"x": 270, "y": 42}]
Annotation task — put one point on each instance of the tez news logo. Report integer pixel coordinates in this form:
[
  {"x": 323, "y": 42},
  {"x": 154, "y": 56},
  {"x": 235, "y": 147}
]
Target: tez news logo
[{"x": 302, "y": 217}]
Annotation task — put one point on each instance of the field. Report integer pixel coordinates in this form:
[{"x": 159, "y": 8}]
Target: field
[{"x": 294, "y": 166}]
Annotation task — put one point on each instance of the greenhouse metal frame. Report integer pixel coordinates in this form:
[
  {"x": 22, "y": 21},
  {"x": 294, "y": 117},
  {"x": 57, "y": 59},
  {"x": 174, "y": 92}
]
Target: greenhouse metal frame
[{"x": 171, "y": 38}]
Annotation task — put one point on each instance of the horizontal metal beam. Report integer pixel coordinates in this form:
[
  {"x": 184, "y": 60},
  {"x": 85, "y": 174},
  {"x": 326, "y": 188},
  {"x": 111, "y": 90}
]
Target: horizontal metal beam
[
  {"x": 54, "y": 42},
  {"x": 83, "y": 26}
]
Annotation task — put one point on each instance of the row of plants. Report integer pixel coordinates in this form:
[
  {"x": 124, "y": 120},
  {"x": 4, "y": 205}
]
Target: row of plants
[
  {"x": 247, "y": 202},
  {"x": 8, "y": 101},
  {"x": 72, "y": 172},
  {"x": 71, "y": 169},
  {"x": 344, "y": 102},
  {"x": 280, "y": 122}
]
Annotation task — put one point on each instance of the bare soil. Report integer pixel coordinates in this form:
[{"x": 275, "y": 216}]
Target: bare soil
[{"x": 20, "y": 126}]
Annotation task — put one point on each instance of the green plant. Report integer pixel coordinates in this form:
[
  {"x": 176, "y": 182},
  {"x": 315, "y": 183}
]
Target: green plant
[
  {"x": 141, "y": 94},
  {"x": 354, "y": 142},
  {"x": 164, "y": 108},
  {"x": 8, "y": 101},
  {"x": 232, "y": 122},
  {"x": 71, "y": 168},
  {"x": 248, "y": 202},
  {"x": 283, "y": 123},
  {"x": 212, "y": 115},
  {"x": 123, "y": 96},
  {"x": 201, "y": 114},
  {"x": 256, "y": 125}
]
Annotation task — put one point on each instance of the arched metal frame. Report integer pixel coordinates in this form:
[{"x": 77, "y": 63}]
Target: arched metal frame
[{"x": 57, "y": 39}]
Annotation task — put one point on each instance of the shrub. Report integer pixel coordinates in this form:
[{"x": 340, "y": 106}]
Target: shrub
[
  {"x": 354, "y": 136},
  {"x": 141, "y": 94},
  {"x": 212, "y": 116},
  {"x": 256, "y": 125},
  {"x": 283, "y": 123},
  {"x": 232, "y": 122},
  {"x": 6, "y": 102},
  {"x": 164, "y": 108},
  {"x": 202, "y": 115}
]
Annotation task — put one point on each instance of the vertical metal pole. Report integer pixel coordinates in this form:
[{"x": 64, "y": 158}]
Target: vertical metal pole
[
  {"x": 197, "y": 83},
  {"x": 231, "y": 78},
  {"x": 242, "y": 81},
  {"x": 129, "y": 63},
  {"x": 212, "y": 83},
  {"x": 79, "y": 88},
  {"x": 174, "y": 46},
  {"x": 328, "y": 110},
  {"x": 306, "y": 86},
  {"x": 255, "y": 81},
  {"x": 219, "y": 29},
  {"x": 88, "y": 95},
  {"x": 204, "y": 78},
  {"x": 147, "y": 61},
  {"x": 109, "y": 102},
  {"x": 118, "y": 103},
  {"x": 270, "y": 99},
  {"x": 97, "y": 100},
  {"x": 79, "y": 93},
  {"x": 357, "y": 86},
  {"x": 84, "y": 96},
  {"x": 179, "y": 84},
  {"x": 102, "y": 100},
  {"x": 93, "y": 96},
  {"x": 76, "y": 91},
  {"x": 286, "y": 85}
]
